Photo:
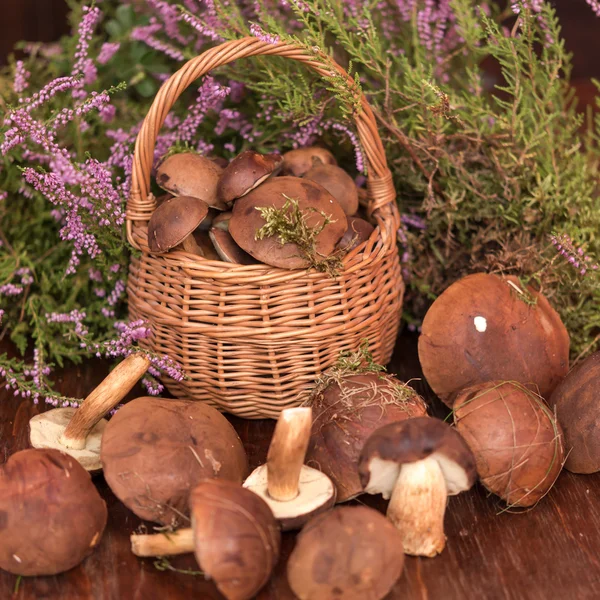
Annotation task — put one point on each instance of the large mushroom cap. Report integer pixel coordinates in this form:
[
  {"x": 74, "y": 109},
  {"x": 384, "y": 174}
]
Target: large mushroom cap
[
  {"x": 347, "y": 410},
  {"x": 189, "y": 174},
  {"x": 337, "y": 182},
  {"x": 237, "y": 537},
  {"x": 412, "y": 440},
  {"x": 51, "y": 515},
  {"x": 350, "y": 553},
  {"x": 173, "y": 221},
  {"x": 313, "y": 200},
  {"x": 486, "y": 327},
  {"x": 358, "y": 232},
  {"x": 577, "y": 404},
  {"x": 245, "y": 172},
  {"x": 155, "y": 450},
  {"x": 298, "y": 162},
  {"x": 515, "y": 439}
]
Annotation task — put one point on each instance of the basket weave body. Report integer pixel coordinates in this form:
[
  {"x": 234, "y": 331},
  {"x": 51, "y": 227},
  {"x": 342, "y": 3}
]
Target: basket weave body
[{"x": 252, "y": 338}]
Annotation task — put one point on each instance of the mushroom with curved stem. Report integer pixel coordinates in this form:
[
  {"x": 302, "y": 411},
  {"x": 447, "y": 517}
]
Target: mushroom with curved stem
[
  {"x": 234, "y": 536},
  {"x": 293, "y": 491},
  {"x": 417, "y": 464},
  {"x": 78, "y": 431}
]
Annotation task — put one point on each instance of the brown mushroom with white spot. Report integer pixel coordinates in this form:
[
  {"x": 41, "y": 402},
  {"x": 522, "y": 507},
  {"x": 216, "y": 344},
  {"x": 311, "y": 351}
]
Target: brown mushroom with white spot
[
  {"x": 51, "y": 515},
  {"x": 337, "y": 182},
  {"x": 298, "y": 162},
  {"x": 172, "y": 225},
  {"x": 294, "y": 492},
  {"x": 417, "y": 464},
  {"x": 190, "y": 174},
  {"x": 314, "y": 203},
  {"x": 78, "y": 431},
  {"x": 234, "y": 536},
  {"x": 155, "y": 450},
  {"x": 246, "y": 172}
]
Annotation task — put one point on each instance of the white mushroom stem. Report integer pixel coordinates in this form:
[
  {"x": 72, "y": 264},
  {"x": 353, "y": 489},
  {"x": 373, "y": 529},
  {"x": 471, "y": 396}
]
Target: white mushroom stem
[
  {"x": 163, "y": 544},
  {"x": 417, "y": 507},
  {"x": 105, "y": 397},
  {"x": 287, "y": 452}
]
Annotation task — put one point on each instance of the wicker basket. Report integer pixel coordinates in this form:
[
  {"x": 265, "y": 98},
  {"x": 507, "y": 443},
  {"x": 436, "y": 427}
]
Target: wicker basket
[{"x": 252, "y": 338}]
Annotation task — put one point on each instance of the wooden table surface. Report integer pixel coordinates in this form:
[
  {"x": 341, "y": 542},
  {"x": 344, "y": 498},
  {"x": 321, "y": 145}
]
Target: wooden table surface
[{"x": 549, "y": 552}]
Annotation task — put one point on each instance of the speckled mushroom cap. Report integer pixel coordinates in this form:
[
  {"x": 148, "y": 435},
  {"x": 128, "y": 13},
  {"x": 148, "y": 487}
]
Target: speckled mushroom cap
[
  {"x": 298, "y": 162},
  {"x": 227, "y": 249},
  {"x": 337, "y": 182},
  {"x": 246, "y": 220},
  {"x": 173, "y": 221},
  {"x": 190, "y": 174},
  {"x": 245, "y": 172},
  {"x": 358, "y": 231}
]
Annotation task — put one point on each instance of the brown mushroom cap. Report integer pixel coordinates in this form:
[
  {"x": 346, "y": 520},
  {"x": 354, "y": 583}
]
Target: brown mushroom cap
[
  {"x": 155, "y": 450},
  {"x": 346, "y": 413},
  {"x": 484, "y": 328},
  {"x": 245, "y": 172},
  {"x": 173, "y": 221},
  {"x": 577, "y": 404},
  {"x": 298, "y": 162},
  {"x": 358, "y": 232},
  {"x": 412, "y": 440},
  {"x": 337, "y": 182},
  {"x": 204, "y": 244},
  {"x": 227, "y": 249},
  {"x": 514, "y": 437},
  {"x": 312, "y": 199},
  {"x": 351, "y": 552},
  {"x": 237, "y": 538},
  {"x": 51, "y": 515},
  {"x": 190, "y": 174}
]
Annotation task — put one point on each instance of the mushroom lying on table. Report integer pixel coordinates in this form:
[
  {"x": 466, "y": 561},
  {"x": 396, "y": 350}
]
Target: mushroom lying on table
[
  {"x": 293, "y": 491},
  {"x": 234, "y": 536},
  {"x": 78, "y": 431},
  {"x": 51, "y": 515},
  {"x": 417, "y": 464}
]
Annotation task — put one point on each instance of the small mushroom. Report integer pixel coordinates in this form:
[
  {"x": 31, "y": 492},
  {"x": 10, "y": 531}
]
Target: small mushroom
[
  {"x": 298, "y": 162},
  {"x": 234, "y": 536},
  {"x": 358, "y": 232},
  {"x": 190, "y": 174},
  {"x": 173, "y": 222},
  {"x": 246, "y": 172},
  {"x": 350, "y": 553},
  {"x": 220, "y": 161},
  {"x": 313, "y": 201},
  {"x": 222, "y": 220},
  {"x": 227, "y": 249},
  {"x": 206, "y": 248},
  {"x": 155, "y": 450},
  {"x": 337, "y": 182},
  {"x": 417, "y": 463},
  {"x": 51, "y": 515},
  {"x": 78, "y": 431},
  {"x": 293, "y": 491}
]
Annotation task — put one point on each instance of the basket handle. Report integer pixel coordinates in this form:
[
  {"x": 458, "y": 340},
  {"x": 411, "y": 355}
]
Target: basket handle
[{"x": 140, "y": 205}]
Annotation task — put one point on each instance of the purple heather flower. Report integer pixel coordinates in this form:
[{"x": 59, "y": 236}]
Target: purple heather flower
[
  {"x": 146, "y": 34},
  {"x": 258, "y": 32},
  {"x": 575, "y": 256},
  {"x": 595, "y": 6},
  {"x": 107, "y": 51},
  {"x": 20, "y": 83},
  {"x": 3, "y": 195}
]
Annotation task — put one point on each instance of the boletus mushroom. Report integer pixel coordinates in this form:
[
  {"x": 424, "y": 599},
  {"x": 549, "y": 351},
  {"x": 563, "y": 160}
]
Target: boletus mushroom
[
  {"x": 417, "y": 464},
  {"x": 173, "y": 223},
  {"x": 313, "y": 202},
  {"x": 154, "y": 451},
  {"x": 358, "y": 232},
  {"x": 51, "y": 515},
  {"x": 293, "y": 491},
  {"x": 246, "y": 172},
  {"x": 576, "y": 401},
  {"x": 190, "y": 174},
  {"x": 337, "y": 182},
  {"x": 348, "y": 407},
  {"x": 227, "y": 249},
  {"x": 234, "y": 536},
  {"x": 298, "y": 162},
  {"x": 486, "y": 327},
  {"x": 78, "y": 431},
  {"x": 515, "y": 439},
  {"x": 350, "y": 553}
]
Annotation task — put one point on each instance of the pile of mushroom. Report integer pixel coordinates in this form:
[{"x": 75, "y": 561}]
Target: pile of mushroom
[{"x": 218, "y": 213}]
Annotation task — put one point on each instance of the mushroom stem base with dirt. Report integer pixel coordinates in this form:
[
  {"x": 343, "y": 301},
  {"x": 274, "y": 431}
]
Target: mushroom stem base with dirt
[
  {"x": 163, "y": 544},
  {"x": 417, "y": 507}
]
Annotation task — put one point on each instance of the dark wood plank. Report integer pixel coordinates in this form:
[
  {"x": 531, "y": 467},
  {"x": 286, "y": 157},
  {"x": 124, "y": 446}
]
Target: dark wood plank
[{"x": 552, "y": 551}]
